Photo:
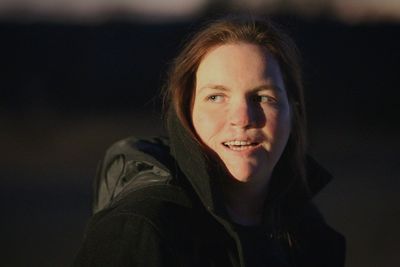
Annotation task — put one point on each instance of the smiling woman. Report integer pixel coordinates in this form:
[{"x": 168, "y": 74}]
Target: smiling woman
[
  {"x": 233, "y": 185},
  {"x": 248, "y": 135},
  {"x": 238, "y": 115}
]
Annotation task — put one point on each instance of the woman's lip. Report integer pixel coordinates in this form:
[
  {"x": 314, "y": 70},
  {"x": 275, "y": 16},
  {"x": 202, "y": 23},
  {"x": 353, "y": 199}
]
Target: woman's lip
[
  {"x": 246, "y": 140},
  {"x": 249, "y": 148}
]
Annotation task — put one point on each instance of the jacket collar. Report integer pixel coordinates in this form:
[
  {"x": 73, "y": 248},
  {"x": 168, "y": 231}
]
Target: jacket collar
[{"x": 191, "y": 160}]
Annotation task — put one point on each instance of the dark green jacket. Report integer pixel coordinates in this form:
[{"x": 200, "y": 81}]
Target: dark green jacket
[{"x": 159, "y": 204}]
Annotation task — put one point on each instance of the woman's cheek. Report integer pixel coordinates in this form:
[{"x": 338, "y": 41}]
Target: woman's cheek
[
  {"x": 272, "y": 122},
  {"x": 207, "y": 125},
  {"x": 279, "y": 120},
  {"x": 202, "y": 124}
]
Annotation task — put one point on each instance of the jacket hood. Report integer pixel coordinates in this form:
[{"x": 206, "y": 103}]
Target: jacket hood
[
  {"x": 193, "y": 162},
  {"x": 195, "y": 165}
]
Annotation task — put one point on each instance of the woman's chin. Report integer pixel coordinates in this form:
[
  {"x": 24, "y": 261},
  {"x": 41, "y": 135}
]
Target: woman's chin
[
  {"x": 243, "y": 174},
  {"x": 248, "y": 170}
]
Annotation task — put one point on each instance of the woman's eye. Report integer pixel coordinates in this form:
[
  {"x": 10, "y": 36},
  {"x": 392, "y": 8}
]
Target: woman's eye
[
  {"x": 264, "y": 99},
  {"x": 215, "y": 98}
]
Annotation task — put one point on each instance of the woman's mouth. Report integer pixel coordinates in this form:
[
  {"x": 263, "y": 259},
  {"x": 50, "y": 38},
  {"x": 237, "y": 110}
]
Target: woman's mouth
[{"x": 237, "y": 145}]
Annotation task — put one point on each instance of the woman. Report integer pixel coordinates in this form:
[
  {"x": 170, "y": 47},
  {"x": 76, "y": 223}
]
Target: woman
[{"x": 232, "y": 185}]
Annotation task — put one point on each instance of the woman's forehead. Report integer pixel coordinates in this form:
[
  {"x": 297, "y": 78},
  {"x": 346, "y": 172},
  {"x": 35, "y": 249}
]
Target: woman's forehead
[{"x": 231, "y": 64}]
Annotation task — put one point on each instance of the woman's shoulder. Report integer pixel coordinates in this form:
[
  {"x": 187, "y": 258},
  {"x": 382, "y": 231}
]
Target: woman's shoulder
[
  {"x": 155, "y": 207},
  {"x": 133, "y": 166},
  {"x": 135, "y": 184},
  {"x": 153, "y": 150},
  {"x": 136, "y": 230}
]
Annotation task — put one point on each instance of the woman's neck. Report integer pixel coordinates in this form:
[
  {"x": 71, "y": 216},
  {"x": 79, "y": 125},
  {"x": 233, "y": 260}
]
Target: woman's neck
[{"x": 244, "y": 202}]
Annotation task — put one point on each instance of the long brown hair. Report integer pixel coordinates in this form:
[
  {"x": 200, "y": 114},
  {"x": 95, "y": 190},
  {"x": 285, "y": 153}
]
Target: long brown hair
[{"x": 259, "y": 31}]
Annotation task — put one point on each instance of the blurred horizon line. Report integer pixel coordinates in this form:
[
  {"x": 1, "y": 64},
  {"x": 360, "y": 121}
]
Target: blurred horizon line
[{"x": 159, "y": 11}]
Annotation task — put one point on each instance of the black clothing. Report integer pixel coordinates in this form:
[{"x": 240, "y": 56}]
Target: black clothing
[
  {"x": 157, "y": 207},
  {"x": 259, "y": 249}
]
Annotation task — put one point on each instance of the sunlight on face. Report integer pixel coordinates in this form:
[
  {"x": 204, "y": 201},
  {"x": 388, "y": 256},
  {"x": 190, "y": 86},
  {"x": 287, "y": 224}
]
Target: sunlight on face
[{"x": 241, "y": 110}]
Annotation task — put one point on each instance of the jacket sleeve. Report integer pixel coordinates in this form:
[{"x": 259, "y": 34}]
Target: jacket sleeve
[{"x": 124, "y": 240}]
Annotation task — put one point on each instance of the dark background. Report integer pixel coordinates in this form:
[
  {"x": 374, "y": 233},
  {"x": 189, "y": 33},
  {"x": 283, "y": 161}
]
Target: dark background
[{"x": 67, "y": 91}]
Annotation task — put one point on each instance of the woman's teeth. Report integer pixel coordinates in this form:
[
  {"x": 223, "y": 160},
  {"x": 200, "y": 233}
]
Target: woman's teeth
[{"x": 239, "y": 145}]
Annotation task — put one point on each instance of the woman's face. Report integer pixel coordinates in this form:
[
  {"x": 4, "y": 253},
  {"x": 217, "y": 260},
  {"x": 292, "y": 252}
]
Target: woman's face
[{"x": 241, "y": 110}]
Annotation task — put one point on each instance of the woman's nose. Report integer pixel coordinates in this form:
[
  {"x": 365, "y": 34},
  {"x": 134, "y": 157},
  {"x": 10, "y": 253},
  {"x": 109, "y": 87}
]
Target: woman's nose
[{"x": 243, "y": 115}]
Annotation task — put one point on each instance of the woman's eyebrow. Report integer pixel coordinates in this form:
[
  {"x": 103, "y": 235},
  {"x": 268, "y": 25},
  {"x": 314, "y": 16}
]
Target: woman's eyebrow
[
  {"x": 268, "y": 87},
  {"x": 263, "y": 87},
  {"x": 218, "y": 87}
]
